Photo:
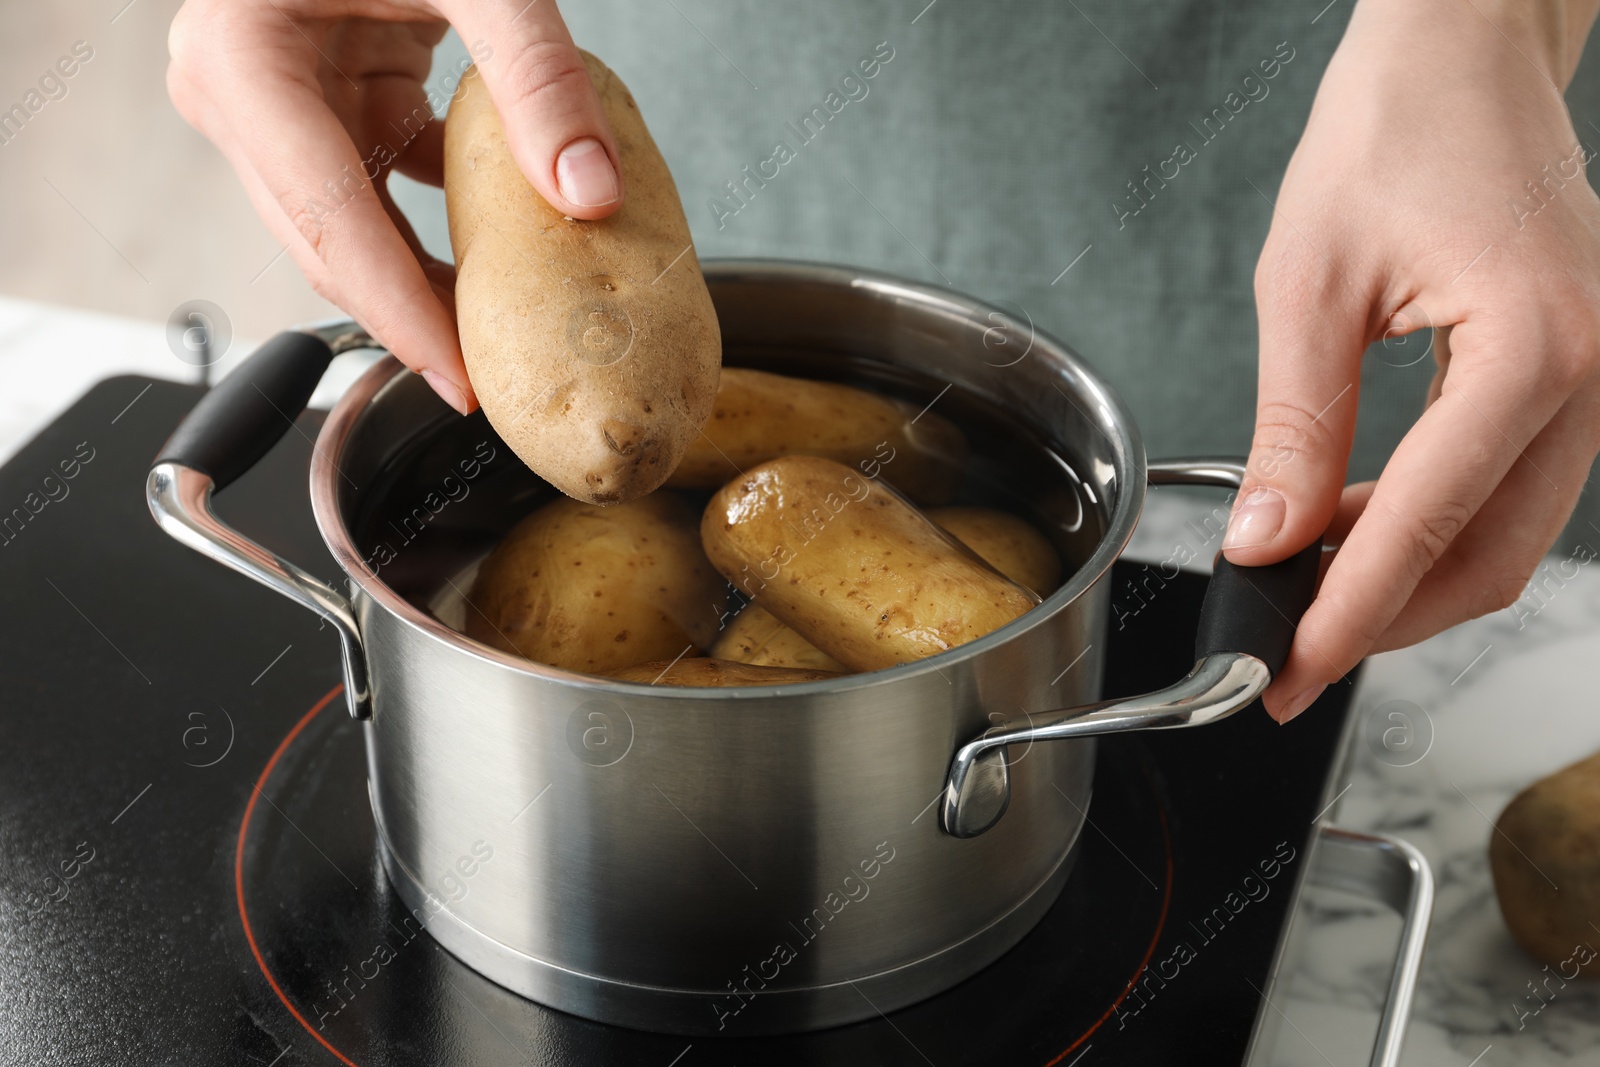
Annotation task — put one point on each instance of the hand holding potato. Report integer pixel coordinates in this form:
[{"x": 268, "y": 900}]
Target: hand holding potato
[
  {"x": 592, "y": 344},
  {"x": 318, "y": 91}
]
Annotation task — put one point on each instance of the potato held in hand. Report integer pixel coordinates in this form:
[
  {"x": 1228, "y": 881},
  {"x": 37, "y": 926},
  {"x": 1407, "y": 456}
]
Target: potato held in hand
[
  {"x": 852, "y": 566},
  {"x": 596, "y": 589},
  {"x": 760, "y": 416},
  {"x": 1550, "y": 833},
  {"x": 592, "y": 345},
  {"x": 717, "y": 673}
]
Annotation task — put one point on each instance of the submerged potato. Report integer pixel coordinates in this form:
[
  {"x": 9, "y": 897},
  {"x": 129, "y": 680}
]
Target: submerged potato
[
  {"x": 721, "y": 673},
  {"x": 595, "y": 589},
  {"x": 850, "y": 565},
  {"x": 1544, "y": 855},
  {"x": 1011, "y": 545},
  {"x": 759, "y": 416},
  {"x": 755, "y": 637},
  {"x": 592, "y": 345}
]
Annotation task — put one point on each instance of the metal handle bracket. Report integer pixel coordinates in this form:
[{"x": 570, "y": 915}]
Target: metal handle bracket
[{"x": 180, "y": 500}]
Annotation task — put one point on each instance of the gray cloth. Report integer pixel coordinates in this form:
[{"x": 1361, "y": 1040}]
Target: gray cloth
[{"x": 996, "y": 145}]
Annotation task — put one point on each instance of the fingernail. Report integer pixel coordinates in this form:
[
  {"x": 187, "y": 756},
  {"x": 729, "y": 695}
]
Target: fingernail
[
  {"x": 1299, "y": 702},
  {"x": 1256, "y": 520},
  {"x": 585, "y": 174},
  {"x": 448, "y": 390}
]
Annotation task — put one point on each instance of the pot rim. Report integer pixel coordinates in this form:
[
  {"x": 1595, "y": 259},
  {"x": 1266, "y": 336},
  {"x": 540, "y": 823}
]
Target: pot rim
[{"x": 1108, "y": 413}]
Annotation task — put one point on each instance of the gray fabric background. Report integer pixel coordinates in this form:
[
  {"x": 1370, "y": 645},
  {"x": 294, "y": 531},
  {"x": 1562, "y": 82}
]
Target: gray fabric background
[{"x": 987, "y": 155}]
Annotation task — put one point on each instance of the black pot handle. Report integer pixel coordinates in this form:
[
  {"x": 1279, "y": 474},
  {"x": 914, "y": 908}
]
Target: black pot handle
[
  {"x": 1254, "y": 610},
  {"x": 1247, "y": 625},
  {"x": 226, "y": 433},
  {"x": 246, "y": 413}
]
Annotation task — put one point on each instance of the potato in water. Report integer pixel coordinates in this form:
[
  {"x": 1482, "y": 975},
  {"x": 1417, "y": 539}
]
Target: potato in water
[
  {"x": 719, "y": 673},
  {"x": 1011, "y": 545},
  {"x": 754, "y": 636},
  {"x": 851, "y": 565},
  {"x": 759, "y": 416},
  {"x": 592, "y": 345},
  {"x": 596, "y": 589}
]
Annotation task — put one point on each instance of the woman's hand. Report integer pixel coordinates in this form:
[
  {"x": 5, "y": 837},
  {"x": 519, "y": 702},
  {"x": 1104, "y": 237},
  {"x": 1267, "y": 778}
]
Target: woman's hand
[
  {"x": 1438, "y": 184},
  {"x": 314, "y": 102}
]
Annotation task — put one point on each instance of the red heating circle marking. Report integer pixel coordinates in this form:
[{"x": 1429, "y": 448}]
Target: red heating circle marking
[
  {"x": 238, "y": 870},
  {"x": 1161, "y": 923}
]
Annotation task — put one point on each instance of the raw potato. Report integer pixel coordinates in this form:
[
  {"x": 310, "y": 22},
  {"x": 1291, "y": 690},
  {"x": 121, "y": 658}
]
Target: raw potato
[
  {"x": 720, "y": 673},
  {"x": 852, "y": 566},
  {"x": 754, "y": 636},
  {"x": 595, "y": 589},
  {"x": 760, "y": 416},
  {"x": 1550, "y": 833},
  {"x": 592, "y": 345},
  {"x": 1009, "y": 544}
]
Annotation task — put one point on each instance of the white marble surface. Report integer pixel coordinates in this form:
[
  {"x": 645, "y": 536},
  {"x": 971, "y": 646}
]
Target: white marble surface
[{"x": 1492, "y": 705}]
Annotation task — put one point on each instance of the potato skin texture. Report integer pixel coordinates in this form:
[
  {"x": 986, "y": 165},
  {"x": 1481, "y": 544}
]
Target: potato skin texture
[
  {"x": 1009, "y": 544},
  {"x": 851, "y": 565},
  {"x": 760, "y": 416},
  {"x": 719, "y": 673},
  {"x": 756, "y": 637},
  {"x": 592, "y": 345},
  {"x": 1551, "y": 830},
  {"x": 596, "y": 589}
]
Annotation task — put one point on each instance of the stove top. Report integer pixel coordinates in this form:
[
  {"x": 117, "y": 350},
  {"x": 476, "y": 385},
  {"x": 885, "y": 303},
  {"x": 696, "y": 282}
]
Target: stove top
[{"x": 189, "y": 872}]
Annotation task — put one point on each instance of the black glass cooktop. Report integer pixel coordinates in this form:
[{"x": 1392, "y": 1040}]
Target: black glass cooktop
[{"x": 188, "y": 871}]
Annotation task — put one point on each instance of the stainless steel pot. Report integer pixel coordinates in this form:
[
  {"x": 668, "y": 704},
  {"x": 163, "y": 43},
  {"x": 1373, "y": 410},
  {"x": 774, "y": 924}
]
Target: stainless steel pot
[{"x": 746, "y": 860}]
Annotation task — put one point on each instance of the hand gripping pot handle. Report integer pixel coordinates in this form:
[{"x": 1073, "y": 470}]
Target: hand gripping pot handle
[
  {"x": 1247, "y": 624},
  {"x": 230, "y": 429}
]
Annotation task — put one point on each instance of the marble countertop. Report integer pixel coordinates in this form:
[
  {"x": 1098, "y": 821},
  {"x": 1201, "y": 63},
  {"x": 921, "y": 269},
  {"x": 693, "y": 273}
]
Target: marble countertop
[{"x": 1447, "y": 732}]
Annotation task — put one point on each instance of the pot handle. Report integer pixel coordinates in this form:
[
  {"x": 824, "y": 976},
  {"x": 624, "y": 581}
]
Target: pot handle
[
  {"x": 1247, "y": 624},
  {"x": 235, "y": 424}
]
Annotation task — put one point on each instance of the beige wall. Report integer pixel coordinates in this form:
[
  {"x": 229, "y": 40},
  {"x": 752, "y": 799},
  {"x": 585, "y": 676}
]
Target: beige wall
[{"x": 157, "y": 192}]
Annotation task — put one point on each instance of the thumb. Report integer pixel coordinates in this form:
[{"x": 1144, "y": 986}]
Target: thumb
[
  {"x": 555, "y": 124},
  {"x": 1308, "y": 383}
]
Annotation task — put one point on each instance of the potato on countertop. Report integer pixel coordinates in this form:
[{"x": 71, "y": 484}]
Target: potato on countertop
[
  {"x": 719, "y": 673},
  {"x": 592, "y": 345},
  {"x": 1011, "y": 545},
  {"x": 759, "y": 416},
  {"x": 1544, "y": 856},
  {"x": 851, "y": 565},
  {"x": 595, "y": 589}
]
